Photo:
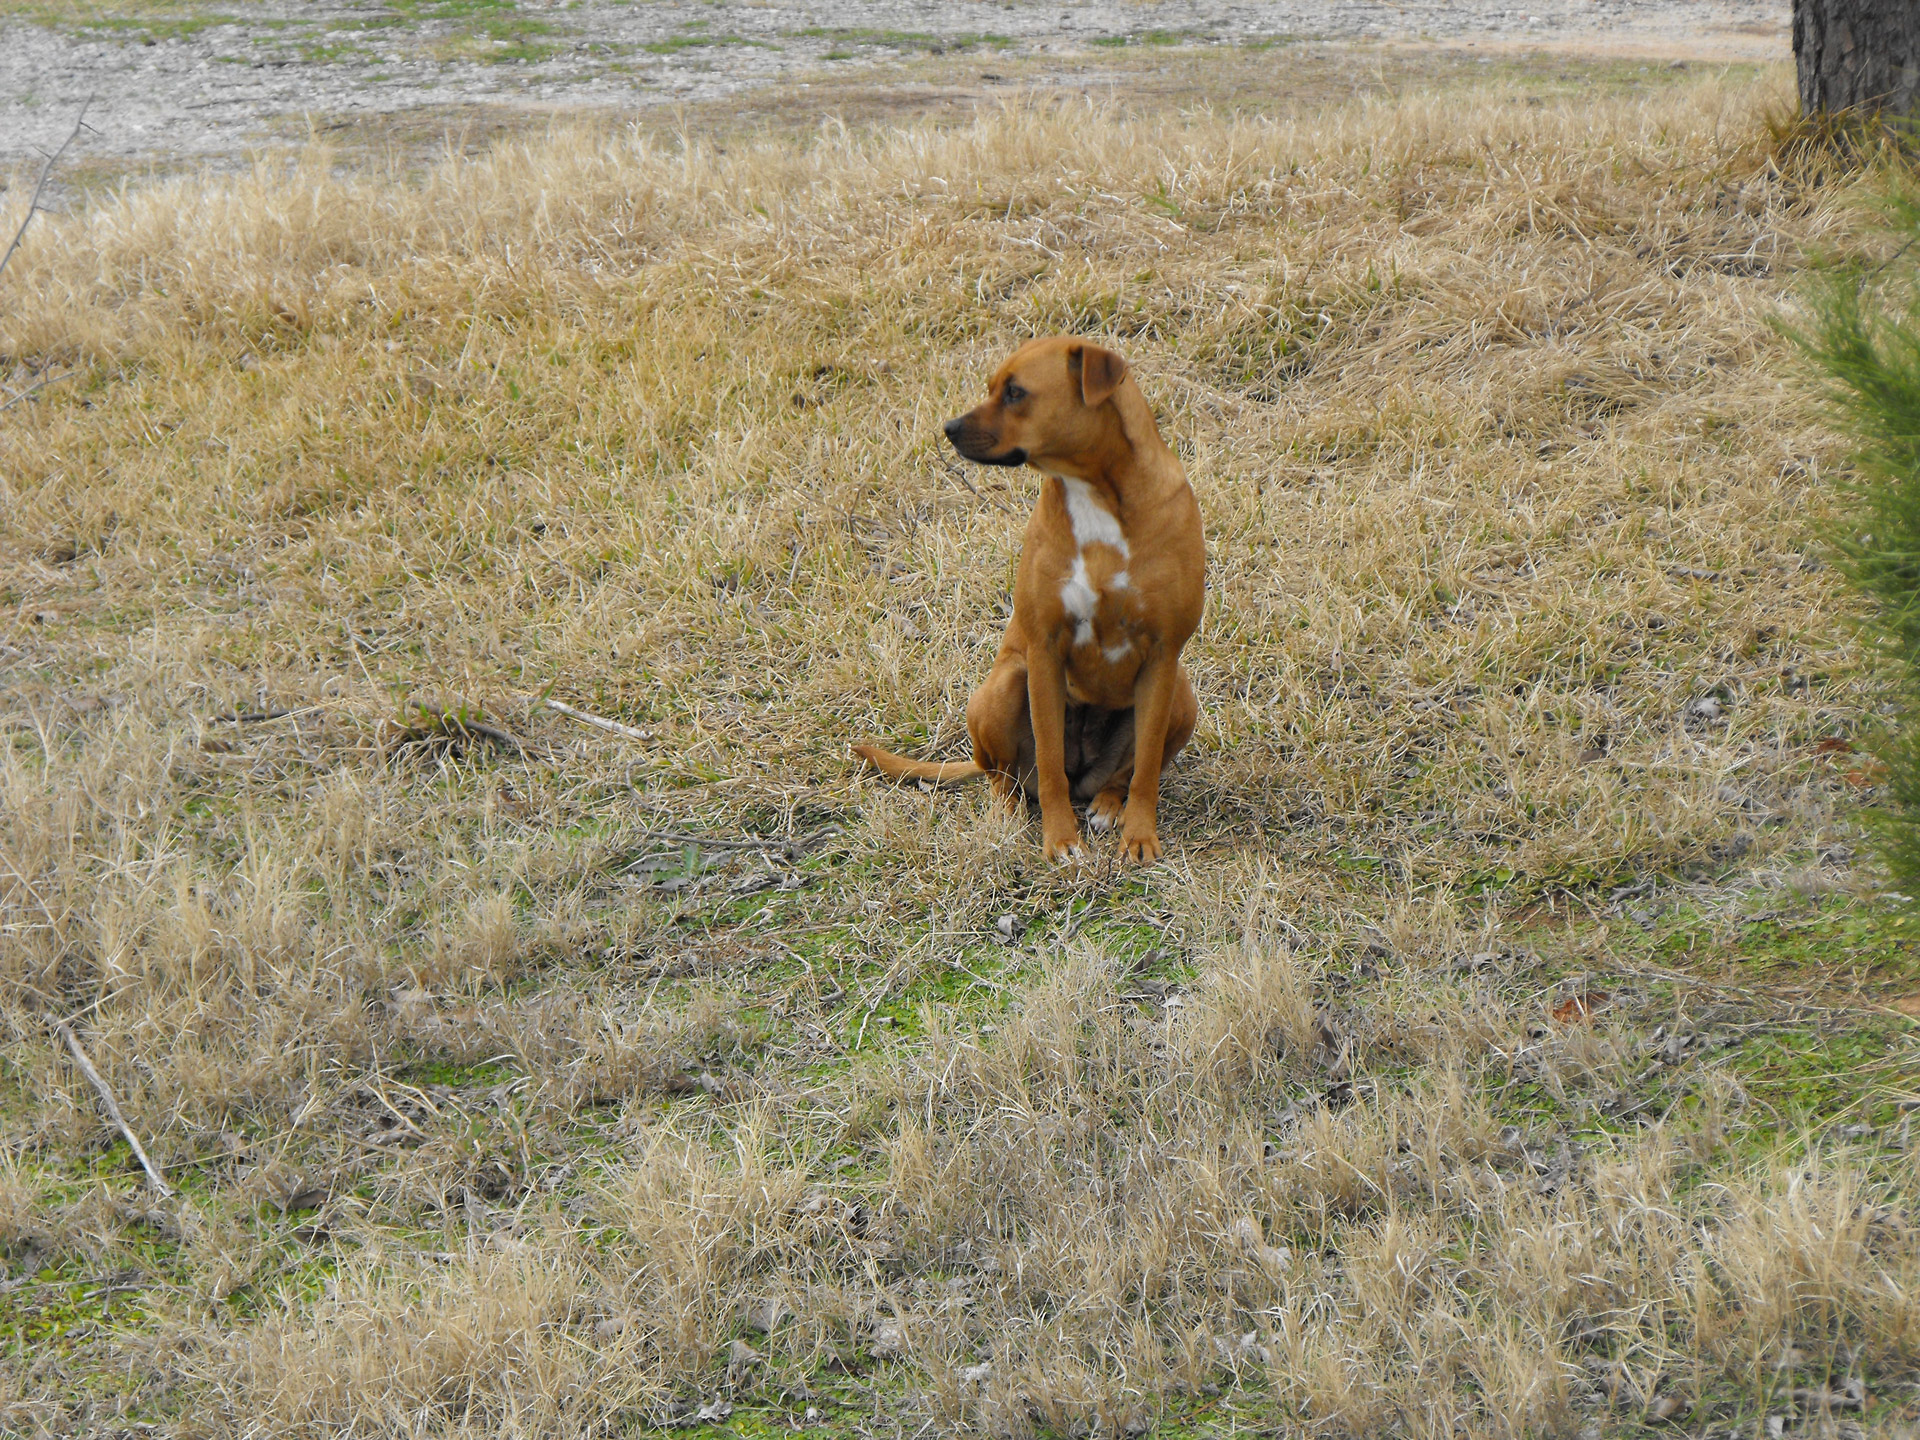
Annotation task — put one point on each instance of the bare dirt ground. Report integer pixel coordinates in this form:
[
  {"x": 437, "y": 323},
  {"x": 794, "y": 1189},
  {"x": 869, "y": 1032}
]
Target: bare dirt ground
[{"x": 190, "y": 81}]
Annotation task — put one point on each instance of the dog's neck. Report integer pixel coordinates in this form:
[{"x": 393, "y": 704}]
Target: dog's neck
[{"x": 1134, "y": 465}]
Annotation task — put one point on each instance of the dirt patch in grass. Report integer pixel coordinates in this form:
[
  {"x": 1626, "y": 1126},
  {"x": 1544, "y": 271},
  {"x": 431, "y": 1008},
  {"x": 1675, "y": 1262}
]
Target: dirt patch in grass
[
  {"x": 190, "y": 82},
  {"x": 1508, "y": 1044}
]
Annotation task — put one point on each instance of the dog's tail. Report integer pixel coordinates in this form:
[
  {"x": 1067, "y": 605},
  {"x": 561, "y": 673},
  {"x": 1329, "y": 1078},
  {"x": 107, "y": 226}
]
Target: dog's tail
[{"x": 941, "y": 772}]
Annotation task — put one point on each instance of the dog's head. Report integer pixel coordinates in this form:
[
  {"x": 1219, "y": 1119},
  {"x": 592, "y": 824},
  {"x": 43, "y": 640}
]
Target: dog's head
[{"x": 1047, "y": 405}]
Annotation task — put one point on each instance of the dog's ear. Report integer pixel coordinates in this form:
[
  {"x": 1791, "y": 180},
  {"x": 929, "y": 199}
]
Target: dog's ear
[{"x": 1101, "y": 372}]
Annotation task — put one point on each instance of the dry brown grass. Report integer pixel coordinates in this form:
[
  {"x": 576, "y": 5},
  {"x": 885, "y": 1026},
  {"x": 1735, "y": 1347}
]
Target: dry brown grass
[{"x": 487, "y": 1131}]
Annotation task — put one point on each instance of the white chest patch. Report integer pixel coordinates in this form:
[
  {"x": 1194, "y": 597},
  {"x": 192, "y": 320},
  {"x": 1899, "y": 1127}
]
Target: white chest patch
[
  {"x": 1079, "y": 599},
  {"x": 1093, "y": 523},
  {"x": 1078, "y": 595}
]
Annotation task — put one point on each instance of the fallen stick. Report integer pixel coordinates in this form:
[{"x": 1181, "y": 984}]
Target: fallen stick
[
  {"x": 483, "y": 730},
  {"x": 447, "y": 726},
  {"x": 159, "y": 1183},
  {"x": 33, "y": 204},
  {"x": 599, "y": 722},
  {"x": 28, "y": 393}
]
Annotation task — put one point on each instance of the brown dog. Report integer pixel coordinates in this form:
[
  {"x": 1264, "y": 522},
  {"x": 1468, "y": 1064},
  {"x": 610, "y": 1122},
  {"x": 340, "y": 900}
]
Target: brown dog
[{"x": 1087, "y": 699}]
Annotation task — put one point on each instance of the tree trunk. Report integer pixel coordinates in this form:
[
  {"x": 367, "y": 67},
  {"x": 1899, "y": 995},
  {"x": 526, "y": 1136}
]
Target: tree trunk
[{"x": 1858, "y": 55}]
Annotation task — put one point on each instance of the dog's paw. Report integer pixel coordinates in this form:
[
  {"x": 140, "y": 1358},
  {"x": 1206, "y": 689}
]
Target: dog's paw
[
  {"x": 1142, "y": 849},
  {"x": 1064, "y": 849},
  {"x": 1104, "y": 813}
]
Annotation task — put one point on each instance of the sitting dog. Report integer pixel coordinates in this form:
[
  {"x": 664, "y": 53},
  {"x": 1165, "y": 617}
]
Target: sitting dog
[{"x": 1087, "y": 699}]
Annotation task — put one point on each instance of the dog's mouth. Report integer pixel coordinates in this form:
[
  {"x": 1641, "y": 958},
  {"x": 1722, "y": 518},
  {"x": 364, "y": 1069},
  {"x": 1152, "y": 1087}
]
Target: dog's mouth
[
  {"x": 1015, "y": 456},
  {"x": 976, "y": 445}
]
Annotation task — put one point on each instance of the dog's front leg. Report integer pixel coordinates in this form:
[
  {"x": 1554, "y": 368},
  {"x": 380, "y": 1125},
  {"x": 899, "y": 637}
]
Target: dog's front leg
[
  {"x": 1152, "y": 710},
  {"x": 1047, "y": 707}
]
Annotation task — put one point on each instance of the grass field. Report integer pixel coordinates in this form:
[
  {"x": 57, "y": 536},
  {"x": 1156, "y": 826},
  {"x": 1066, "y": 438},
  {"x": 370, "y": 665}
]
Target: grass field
[{"x": 1509, "y": 1044}]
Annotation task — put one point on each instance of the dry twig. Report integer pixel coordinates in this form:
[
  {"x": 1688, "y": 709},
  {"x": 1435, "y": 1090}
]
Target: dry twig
[
  {"x": 154, "y": 1177},
  {"x": 450, "y": 728},
  {"x": 599, "y": 722},
  {"x": 22, "y": 396},
  {"x": 46, "y": 170}
]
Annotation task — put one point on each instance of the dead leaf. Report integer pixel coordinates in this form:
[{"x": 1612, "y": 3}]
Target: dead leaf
[
  {"x": 763, "y": 1317},
  {"x": 1578, "y": 1009},
  {"x": 1666, "y": 1407},
  {"x": 306, "y": 1197},
  {"x": 1866, "y": 776},
  {"x": 1819, "y": 1400},
  {"x": 1273, "y": 1258},
  {"x": 1908, "y": 1005},
  {"x": 742, "y": 1357},
  {"x": 1833, "y": 747}
]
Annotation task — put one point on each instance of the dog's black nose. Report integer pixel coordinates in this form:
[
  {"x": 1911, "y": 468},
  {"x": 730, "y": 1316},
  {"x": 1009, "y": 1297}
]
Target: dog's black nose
[{"x": 953, "y": 429}]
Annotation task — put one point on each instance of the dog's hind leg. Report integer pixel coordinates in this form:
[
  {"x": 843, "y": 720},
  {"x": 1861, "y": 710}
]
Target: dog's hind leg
[
  {"x": 1106, "y": 808},
  {"x": 1002, "y": 732},
  {"x": 1104, "y": 782}
]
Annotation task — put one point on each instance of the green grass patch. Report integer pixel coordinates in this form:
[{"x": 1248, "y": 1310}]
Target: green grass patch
[
  {"x": 901, "y": 39},
  {"x": 1792, "y": 999},
  {"x": 679, "y": 44},
  {"x": 453, "y": 9},
  {"x": 1153, "y": 37},
  {"x": 456, "y": 1075},
  {"x": 63, "y": 1303}
]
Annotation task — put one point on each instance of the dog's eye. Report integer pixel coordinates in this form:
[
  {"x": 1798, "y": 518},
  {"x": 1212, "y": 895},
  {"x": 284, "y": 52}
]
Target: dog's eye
[{"x": 1013, "y": 394}]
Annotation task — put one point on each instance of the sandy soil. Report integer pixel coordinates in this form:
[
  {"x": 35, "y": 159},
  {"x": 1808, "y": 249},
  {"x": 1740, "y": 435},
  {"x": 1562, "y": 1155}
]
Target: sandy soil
[{"x": 175, "y": 80}]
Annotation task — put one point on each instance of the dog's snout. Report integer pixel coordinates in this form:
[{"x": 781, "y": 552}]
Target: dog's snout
[{"x": 978, "y": 444}]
